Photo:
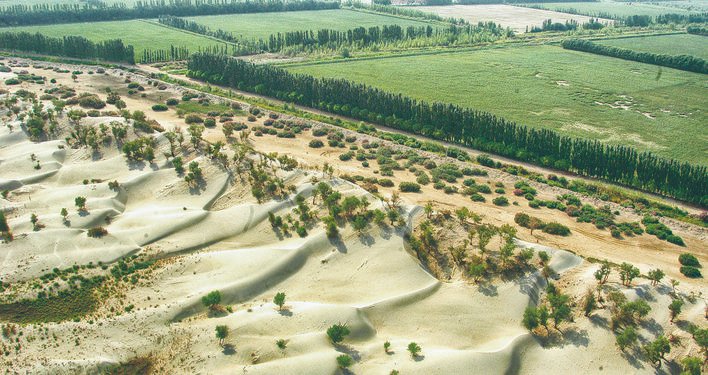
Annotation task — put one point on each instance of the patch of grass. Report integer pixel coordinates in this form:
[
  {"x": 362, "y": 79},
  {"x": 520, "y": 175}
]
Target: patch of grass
[
  {"x": 193, "y": 106},
  {"x": 262, "y": 25},
  {"x": 677, "y": 44},
  {"x": 139, "y": 34},
  {"x": 66, "y": 305},
  {"x": 575, "y": 93},
  {"x": 614, "y": 8}
]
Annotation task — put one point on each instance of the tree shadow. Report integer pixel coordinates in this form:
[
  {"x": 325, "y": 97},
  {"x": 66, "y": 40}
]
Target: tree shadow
[
  {"x": 419, "y": 357},
  {"x": 663, "y": 289},
  {"x": 366, "y": 239},
  {"x": 644, "y": 294},
  {"x": 346, "y": 349},
  {"x": 599, "y": 321},
  {"x": 652, "y": 326},
  {"x": 285, "y": 312},
  {"x": 633, "y": 357},
  {"x": 133, "y": 165},
  {"x": 570, "y": 336},
  {"x": 488, "y": 289},
  {"x": 229, "y": 349},
  {"x": 339, "y": 244},
  {"x": 385, "y": 231}
]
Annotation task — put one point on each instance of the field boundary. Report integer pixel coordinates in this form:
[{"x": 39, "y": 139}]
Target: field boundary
[{"x": 150, "y": 21}]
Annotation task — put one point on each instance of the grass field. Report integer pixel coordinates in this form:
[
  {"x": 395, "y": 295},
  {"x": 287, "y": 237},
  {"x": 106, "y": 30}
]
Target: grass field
[
  {"x": 616, "y": 9},
  {"x": 262, "y": 25},
  {"x": 141, "y": 34},
  {"x": 576, "y": 93},
  {"x": 679, "y": 44}
]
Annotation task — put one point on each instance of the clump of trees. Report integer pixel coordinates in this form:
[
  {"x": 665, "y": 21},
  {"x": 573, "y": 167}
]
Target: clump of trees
[{"x": 213, "y": 301}]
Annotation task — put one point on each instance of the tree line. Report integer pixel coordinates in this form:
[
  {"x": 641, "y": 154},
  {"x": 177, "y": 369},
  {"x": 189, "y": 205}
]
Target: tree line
[
  {"x": 335, "y": 39},
  {"x": 68, "y": 46},
  {"x": 697, "y": 30},
  {"x": 447, "y": 122},
  {"x": 682, "y": 62},
  {"x": 17, "y": 15},
  {"x": 176, "y": 53}
]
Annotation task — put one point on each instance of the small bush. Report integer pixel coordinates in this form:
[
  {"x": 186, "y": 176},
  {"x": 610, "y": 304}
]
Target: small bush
[
  {"x": 409, "y": 187},
  {"x": 210, "y": 122},
  {"x": 687, "y": 259},
  {"x": 316, "y": 143},
  {"x": 476, "y": 197},
  {"x": 500, "y": 201},
  {"x": 691, "y": 272},
  {"x": 193, "y": 119},
  {"x": 556, "y": 229},
  {"x": 172, "y": 101},
  {"x": 159, "y": 108},
  {"x": 97, "y": 232}
]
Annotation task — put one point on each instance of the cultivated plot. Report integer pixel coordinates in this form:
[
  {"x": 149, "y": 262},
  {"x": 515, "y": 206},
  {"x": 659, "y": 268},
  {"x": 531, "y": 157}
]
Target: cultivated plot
[
  {"x": 678, "y": 44},
  {"x": 262, "y": 25},
  {"x": 141, "y": 34},
  {"x": 517, "y": 18},
  {"x": 578, "y": 94},
  {"x": 616, "y": 9}
]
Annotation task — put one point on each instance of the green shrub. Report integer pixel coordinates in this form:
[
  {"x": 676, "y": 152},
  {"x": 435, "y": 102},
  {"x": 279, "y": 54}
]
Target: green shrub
[
  {"x": 409, "y": 187},
  {"x": 687, "y": 259},
  {"x": 172, "y": 101},
  {"x": 500, "y": 201},
  {"x": 316, "y": 143},
  {"x": 476, "y": 197},
  {"x": 159, "y": 107},
  {"x": 210, "y": 122},
  {"x": 556, "y": 229},
  {"x": 193, "y": 118},
  {"x": 691, "y": 272}
]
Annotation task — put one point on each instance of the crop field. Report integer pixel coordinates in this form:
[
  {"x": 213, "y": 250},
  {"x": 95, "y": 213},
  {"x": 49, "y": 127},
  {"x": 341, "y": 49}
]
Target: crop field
[
  {"x": 578, "y": 94},
  {"x": 517, "y": 18},
  {"x": 679, "y": 44},
  {"x": 616, "y": 9},
  {"x": 262, "y": 25},
  {"x": 141, "y": 34}
]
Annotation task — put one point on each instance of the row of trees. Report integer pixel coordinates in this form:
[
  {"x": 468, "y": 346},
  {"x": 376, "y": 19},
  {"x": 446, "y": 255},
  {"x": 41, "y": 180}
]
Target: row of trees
[
  {"x": 69, "y": 46},
  {"x": 469, "y": 127},
  {"x": 334, "y": 39},
  {"x": 683, "y": 62},
  {"x": 182, "y": 53},
  {"x": 67, "y": 13},
  {"x": 697, "y": 30}
]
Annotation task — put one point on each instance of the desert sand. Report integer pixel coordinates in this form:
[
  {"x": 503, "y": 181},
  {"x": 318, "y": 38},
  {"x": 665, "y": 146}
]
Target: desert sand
[{"x": 218, "y": 237}]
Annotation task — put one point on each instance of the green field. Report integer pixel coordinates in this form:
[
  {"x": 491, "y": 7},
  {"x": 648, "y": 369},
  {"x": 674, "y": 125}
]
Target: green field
[
  {"x": 141, "y": 34},
  {"x": 679, "y": 44},
  {"x": 262, "y": 25},
  {"x": 616, "y": 9},
  {"x": 547, "y": 86}
]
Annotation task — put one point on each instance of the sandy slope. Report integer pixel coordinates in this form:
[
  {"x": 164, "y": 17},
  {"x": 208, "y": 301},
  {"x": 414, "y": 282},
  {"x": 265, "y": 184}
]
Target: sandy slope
[{"x": 218, "y": 238}]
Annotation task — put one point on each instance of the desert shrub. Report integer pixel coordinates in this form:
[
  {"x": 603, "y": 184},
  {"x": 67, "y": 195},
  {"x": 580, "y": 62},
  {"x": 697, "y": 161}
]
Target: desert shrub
[
  {"x": 210, "y": 122},
  {"x": 476, "y": 197},
  {"x": 691, "y": 272},
  {"x": 171, "y": 102},
  {"x": 484, "y": 189},
  {"x": 556, "y": 229},
  {"x": 193, "y": 118},
  {"x": 500, "y": 201},
  {"x": 409, "y": 187},
  {"x": 12, "y": 81},
  {"x": 385, "y": 182},
  {"x": 316, "y": 143},
  {"x": 687, "y": 259},
  {"x": 97, "y": 232},
  {"x": 159, "y": 107},
  {"x": 91, "y": 101}
]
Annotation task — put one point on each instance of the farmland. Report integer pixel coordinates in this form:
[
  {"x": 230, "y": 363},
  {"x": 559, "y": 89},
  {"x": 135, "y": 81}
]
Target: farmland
[
  {"x": 141, "y": 34},
  {"x": 517, "y": 18},
  {"x": 679, "y": 44},
  {"x": 578, "y": 94},
  {"x": 262, "y": 25},
  {"x": 614, "y": 9}
]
